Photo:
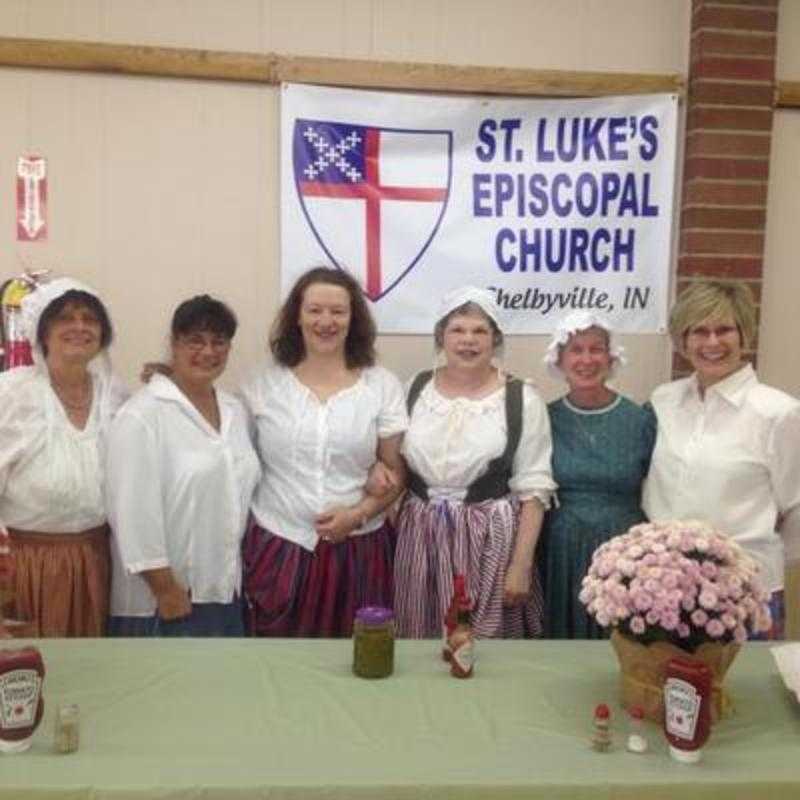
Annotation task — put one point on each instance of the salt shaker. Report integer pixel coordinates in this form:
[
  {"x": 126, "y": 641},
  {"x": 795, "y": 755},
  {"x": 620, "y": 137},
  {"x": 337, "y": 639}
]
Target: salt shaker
[{"x": 637, "y": 743}]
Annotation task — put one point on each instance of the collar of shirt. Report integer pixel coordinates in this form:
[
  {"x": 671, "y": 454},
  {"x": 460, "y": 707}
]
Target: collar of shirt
[
  {"x": 732, "y": 389},
  {"x": 162, "y": 388}
]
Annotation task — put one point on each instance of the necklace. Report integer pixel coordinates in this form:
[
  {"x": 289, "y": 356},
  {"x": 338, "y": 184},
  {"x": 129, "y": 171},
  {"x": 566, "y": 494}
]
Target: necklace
[{"x": 69, "y": 402}]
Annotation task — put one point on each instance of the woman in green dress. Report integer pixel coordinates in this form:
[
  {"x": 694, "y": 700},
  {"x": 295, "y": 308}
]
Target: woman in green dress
[{"x": 601, "y": 452}]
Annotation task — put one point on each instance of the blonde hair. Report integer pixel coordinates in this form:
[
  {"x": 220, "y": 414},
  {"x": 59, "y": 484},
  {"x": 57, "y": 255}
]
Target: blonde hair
[{"x": 713, "y": 300}]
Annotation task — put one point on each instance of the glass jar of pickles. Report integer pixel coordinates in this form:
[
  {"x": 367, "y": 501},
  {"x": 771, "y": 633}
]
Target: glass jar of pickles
[{"x": 373, "y": 642}]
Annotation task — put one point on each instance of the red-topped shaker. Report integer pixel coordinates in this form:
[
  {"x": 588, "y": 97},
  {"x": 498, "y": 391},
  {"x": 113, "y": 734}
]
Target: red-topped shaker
[
  {"x": 21, "y": 703},
  {"x": 458, "y": 600},
  {"x": 687, "y": 708}
]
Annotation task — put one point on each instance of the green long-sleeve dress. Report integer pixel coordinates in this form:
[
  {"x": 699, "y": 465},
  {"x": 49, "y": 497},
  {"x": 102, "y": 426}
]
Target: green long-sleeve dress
[{"x": 600, "y": 458}]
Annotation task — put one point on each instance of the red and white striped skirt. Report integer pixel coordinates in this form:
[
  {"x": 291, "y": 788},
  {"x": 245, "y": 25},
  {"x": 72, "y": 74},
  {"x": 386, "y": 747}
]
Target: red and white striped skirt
[
  {"x": 293, "y": 592},
  {"x": 439, "y": 539}
]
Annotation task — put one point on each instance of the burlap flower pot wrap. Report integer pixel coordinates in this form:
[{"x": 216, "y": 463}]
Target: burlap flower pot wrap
[{"x": 643, "y": 671}]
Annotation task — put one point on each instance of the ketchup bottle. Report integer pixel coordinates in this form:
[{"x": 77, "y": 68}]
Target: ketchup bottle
[
  {"x": 21, "y": 704},
  {"x": 687, "y": 708},
  {"x": 459, "y": 599}
]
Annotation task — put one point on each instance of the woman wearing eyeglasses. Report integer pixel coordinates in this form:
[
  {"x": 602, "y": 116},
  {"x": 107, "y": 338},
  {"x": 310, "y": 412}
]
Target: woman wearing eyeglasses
[
  {"x": 728, "y": 447},
  {"x": 181, "y": 473}
]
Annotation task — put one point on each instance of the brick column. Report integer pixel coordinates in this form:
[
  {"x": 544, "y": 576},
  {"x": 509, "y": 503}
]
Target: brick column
[{"x": 728, "y": 134}]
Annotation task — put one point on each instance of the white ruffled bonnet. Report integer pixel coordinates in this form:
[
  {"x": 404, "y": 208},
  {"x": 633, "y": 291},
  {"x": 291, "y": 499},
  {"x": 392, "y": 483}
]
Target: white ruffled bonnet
[
  {"x": 482, "y": 298},
  {"x": 575, "y": 322},
  {"x": 34, "y": 304}
]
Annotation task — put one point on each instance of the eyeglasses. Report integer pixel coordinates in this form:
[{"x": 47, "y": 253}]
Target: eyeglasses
[
  {"x": 720, "y": 332},
  {"x": 197, "y": 341}
]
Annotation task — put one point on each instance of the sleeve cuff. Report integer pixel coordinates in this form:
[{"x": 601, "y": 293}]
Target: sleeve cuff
[{"x": 136, "y": 567}]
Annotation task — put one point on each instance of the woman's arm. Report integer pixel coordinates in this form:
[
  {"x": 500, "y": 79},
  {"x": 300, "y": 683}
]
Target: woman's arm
[
  {"x": 532, "y": 481},
  {"x": 784, "y": 469},
  {"x": 790, "y": 532},
  {"x": 338, "y": 523},
  {"x": 136, "y": 512},
  {"x": 520, "y": 570},
  {"x": 171, "y": 596}
]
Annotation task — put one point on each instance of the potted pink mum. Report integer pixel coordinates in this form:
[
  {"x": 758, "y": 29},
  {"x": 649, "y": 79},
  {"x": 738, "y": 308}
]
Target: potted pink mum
[{"x": 680, "y": 587}]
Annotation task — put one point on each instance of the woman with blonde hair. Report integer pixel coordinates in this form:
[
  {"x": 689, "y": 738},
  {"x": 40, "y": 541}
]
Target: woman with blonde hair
[{"x": 728, "y": 447}]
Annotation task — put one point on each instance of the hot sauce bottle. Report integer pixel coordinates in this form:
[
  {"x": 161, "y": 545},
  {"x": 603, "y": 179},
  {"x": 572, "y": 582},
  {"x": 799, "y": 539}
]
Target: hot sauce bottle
[
  {"x": 459, "y": 598},
  {"x": 21, "y": 704},
  {"x": 687, "y": 708},
  {"x": 462, "y": 643}
]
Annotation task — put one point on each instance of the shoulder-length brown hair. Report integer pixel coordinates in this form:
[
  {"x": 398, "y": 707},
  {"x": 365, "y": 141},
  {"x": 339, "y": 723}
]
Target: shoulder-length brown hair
[{"x": 286, "y": 339}]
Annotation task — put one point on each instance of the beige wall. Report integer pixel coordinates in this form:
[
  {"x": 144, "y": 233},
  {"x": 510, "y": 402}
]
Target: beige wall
[
  {"x": 160, "y": 189},
  {"x": 779, "y": 350}
]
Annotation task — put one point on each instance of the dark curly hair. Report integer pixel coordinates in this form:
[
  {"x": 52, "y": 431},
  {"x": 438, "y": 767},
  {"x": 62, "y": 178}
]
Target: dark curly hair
[
  {"x": 286, "y": 339},
  {"x": 203, "y": 313}
]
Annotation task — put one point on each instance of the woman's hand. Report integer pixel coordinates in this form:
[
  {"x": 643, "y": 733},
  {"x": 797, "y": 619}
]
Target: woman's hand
[
  {"x": 172, "y": 597},
  {"x": 336, "y": 524},
  {"x": 517, "y": 585},
  {"x": 174, "y": 603},
  {"x": 151, "y": 368},
  {"x": 381, "y": 480}
]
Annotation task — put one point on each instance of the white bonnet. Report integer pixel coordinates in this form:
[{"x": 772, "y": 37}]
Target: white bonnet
[
  {"x": 482, "y": 298},
  {"x": 575, "y": 322},
  {"x": 34, "y": 304}
]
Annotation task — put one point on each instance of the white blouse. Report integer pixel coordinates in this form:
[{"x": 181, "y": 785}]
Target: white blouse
[
  {"x": 316, "y": 455},
  {"x": 51, "y": 473},
  {"x": 450, "y": 442},
  {"x": 732, "y": 459},
  {"x": 179, "y": 495}
]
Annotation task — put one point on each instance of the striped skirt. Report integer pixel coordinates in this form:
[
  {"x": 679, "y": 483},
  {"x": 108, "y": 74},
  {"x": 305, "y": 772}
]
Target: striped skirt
[
  {"x": 290, "y": 591},
  {"x": 439, "y": 539}
]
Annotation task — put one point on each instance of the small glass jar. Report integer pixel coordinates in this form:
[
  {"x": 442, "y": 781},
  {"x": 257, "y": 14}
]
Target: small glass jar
[
  {"x": 67, "y": 730},
  {"x": 373, "y": 642}
]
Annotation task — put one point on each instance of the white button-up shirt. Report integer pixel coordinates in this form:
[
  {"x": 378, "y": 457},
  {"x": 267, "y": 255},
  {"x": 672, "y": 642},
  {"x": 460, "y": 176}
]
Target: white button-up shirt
[
  {"x": 178, "y": 495},
  {"x": 732, "y": 458},
  {"x": 317, "y": 455},
  {"x": 51, "y": 473}
]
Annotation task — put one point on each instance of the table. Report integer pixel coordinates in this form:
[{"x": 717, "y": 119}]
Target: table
[{"x": 286, "y": 719}]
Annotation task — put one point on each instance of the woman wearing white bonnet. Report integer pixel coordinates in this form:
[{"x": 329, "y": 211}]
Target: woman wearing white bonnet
[
  {"x": 602, "y": 444},
  {"x": 54, "y": 416},
  {"x": 478, "y": 453}
]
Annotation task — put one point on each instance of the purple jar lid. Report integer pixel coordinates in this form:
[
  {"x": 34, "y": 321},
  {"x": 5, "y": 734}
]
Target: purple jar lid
[{"x": 374, "y": 615}]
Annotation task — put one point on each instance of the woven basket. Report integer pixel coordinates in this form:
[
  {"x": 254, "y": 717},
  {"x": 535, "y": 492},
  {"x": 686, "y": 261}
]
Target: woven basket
[{"x": 643, "y": 671}]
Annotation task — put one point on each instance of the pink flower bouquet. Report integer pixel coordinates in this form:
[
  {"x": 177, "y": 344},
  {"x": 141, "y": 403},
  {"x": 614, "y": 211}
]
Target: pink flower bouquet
[{"x": 680, "y": 582}]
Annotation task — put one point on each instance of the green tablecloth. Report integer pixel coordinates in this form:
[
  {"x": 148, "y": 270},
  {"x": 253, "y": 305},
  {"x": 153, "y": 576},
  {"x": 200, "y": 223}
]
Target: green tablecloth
[{"x": 287, "y": 719}]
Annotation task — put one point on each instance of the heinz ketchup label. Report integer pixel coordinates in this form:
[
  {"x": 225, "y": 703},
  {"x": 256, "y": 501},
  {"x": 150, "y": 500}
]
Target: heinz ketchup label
[{"x": 21, "y": 704}]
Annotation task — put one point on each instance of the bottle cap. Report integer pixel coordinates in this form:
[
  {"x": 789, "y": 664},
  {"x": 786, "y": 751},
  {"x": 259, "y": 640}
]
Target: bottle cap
[
  {"x": 374, "y": 615},
  {"x": 602, "y": 711},
  {"x": 685, "y": 756}
]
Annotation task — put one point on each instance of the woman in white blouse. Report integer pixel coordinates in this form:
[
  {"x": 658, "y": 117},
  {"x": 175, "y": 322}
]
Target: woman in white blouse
[
  {"x": 478, "y": 455},
  {"x": 181, "y": 474},
  {"x": 728, "y": 447},
  {"x": 54, "y": 417},
  {"x": 320, "y": 547}
]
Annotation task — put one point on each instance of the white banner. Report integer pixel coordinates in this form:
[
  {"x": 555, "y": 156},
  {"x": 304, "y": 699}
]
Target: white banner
[{"x": 554, "y": 205}]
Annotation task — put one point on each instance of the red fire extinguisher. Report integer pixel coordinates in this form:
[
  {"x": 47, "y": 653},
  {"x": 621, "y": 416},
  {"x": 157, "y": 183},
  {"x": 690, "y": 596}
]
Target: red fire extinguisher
[{"x": 15, "y": 347}]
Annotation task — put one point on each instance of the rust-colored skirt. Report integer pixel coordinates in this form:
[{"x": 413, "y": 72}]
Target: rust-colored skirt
[{"x": 62, "y": 581}]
